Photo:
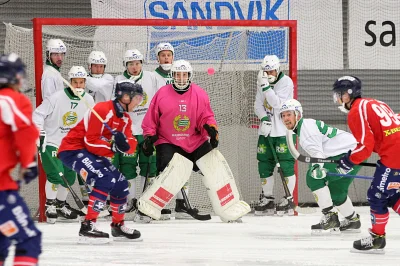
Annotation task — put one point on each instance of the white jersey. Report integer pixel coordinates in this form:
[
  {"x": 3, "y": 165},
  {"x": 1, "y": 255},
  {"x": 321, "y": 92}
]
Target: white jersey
[
  {"x": 269, "y": 102},
  {"x": 162, "y": 78},
  {"x": 320, "y": 140},
  {"x": 59, "y": 113},
  {"x": 51, "y": 81},
  {"x": 101, "y": 89},
  {"x": 149, "y": 84}
]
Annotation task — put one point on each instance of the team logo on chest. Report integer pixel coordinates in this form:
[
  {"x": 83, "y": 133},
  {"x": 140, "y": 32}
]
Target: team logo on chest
[
  {"x": 181, "y": 123},
  {"x": 145, "y": 99},
  {"x": 70, "y": 118}
]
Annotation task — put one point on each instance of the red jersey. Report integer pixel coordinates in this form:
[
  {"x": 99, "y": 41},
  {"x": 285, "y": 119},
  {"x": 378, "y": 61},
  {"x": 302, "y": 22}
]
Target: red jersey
[
  {"x": 376, "y": 128},
  {"x": 92, "y": 135},
  {"x": 18, "y": 135}
]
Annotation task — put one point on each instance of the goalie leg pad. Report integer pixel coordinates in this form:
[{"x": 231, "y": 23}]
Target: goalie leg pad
[
  {"x": 165, "y": 186},
  {"x": 221, "y": 187}
]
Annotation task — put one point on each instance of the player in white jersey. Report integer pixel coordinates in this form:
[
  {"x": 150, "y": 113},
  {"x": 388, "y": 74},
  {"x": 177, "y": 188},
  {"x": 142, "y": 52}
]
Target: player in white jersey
[
  {"x": 165, "y": 57},
  {"x": 55, "y": 117},
  {"x": 133, "y": 62},
  {"x": 322, "y": 141},
  {"x": 98, "y": 83},
  {"x": 273, "y": 89},
  {"x": 51, "y": 79}
]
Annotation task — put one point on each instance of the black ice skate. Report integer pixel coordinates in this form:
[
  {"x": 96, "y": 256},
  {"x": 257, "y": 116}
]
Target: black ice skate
[
  {"x": 65, "y": 211},
  {"x": 284, "y": 208},
  {"x": 374, "y": 244},
  {"x": 181, "y": 211},
  {"x": 266, "y": 206},
  {"x": 131, "y": 205},
  {"x": 122, "y": 233},
  {"x": 351, "y": 224},
  {"x": 329, "y": 221},
  {"x": 89, "y": 234},
  {"x": 51, "y": 211}
]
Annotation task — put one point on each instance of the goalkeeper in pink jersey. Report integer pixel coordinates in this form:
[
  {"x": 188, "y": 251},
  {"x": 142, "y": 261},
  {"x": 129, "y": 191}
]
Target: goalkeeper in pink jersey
[{"x": 180, "y": 120}]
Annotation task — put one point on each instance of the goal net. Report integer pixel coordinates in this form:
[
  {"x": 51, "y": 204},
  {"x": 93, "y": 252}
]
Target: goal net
[{"x": 234, "y": 49}]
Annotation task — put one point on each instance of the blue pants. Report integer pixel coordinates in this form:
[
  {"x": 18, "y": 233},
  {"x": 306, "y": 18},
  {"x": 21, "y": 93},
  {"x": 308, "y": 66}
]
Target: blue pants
[
  {"x": 97, "y": 169},
  {"x": 17, "y": 226},
  {"x": 383, "y": 192}
]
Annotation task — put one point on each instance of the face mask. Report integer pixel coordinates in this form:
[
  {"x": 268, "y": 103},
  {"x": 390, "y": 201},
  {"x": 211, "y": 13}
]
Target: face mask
[
  {"x": 96, "y": 75},
  {"x": 78, "y": 91},
  {"x": 166, "y": 67},
  {"x": 271, "y": 78}
]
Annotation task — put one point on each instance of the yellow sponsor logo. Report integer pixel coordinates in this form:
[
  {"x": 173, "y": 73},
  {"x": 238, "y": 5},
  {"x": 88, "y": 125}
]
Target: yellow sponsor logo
[
  {"x": 70, "y": 118},
  {"x": 181, "y": 123},
  {"x": 391, "y": 131},
  {"x": 145, "y": 99}
]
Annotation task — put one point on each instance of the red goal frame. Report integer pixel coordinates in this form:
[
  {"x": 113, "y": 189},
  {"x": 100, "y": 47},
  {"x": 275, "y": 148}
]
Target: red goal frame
[{"x": 38, "y": 23}]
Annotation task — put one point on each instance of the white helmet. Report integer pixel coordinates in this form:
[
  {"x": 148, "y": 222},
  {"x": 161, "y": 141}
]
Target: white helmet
[
  {"x": 99, "y": 58},
  {"x": 77, "y": 72},
  {"x": 165, "y": 46},
  {"x": 55, "y": 46},
  {"x": 181, "y": 66},
  {"x": 271, "y": 62},
  {"x": 132, "y": 55},
  {"x": 292, "y": 105}
]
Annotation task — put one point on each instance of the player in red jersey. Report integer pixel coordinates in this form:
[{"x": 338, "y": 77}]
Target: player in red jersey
[
  {"x": 88, "y": 148},
  {"x": 377, "y": 129},
  {"x": 18, "y": 137}
]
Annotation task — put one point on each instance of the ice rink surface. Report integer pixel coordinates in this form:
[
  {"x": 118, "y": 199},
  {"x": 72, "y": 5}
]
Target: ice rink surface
[{"x": 257, "y": 241}]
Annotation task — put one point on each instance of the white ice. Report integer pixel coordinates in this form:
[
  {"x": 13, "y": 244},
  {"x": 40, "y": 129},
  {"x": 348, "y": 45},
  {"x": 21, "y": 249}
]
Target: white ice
[{"x": 257, "y": 241}]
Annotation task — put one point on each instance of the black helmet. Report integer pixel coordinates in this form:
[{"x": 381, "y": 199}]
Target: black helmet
[
  {"x": 127, "y": 87},
  {"x": 10, "y": 67},
  {"x": 350, "y": 84}
]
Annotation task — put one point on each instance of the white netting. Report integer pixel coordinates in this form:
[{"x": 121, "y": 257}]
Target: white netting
[{"x": 234, "y": 52}]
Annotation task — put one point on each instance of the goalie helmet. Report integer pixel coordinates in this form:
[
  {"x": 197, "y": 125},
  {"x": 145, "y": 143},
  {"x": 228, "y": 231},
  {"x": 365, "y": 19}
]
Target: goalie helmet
[
  {"x": 127, "y": 87},
  {"x": 55, "y": 46},
  {"x": 269, "y": 63},
  {"x": 77, "y": 72},
  {"x": 132, "y": 55},
  {"x": 292, "y": 105},
  {"x": 165, "y": 46},
  {"x": 178, "y": 67},
  {"x": 11, "y": 69},
  {"x": 350, "y": 84}
]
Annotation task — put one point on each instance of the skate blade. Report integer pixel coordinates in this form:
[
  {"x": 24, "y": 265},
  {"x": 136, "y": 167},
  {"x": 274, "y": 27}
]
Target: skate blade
[
  {"x": 93, "y": 240},
  {"x": 351, "y": 231},
  {"x": 370, "y": 251},
  {"x": 65, "y": 220},
  {"x": 320, "y": 232},
  {"x": 51, "y": 220},
  {"x": 266, "y": 213},
  {"x": 125, "y": 239},
  {"x": 165, "y": 217},
  {"x": 183, "y": 216},
  {"x": 237, "y": 221}
]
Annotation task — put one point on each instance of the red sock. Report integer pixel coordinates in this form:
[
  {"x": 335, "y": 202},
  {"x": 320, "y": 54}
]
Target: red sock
[
  {"x": 117, "y": 217},
  {"x": 379, "y": 222},
  {"x": 95, "y": 206},
  {"x": 25, "y": 261}
]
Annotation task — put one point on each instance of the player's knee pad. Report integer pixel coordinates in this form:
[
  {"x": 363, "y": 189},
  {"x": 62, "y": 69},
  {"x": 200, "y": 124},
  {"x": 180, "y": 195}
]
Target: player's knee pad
[
  {"x": 221, "y": 187},
  {"x": 378, "y": 201},
  {"x": 165, "y": 186},
  {"x": 121, "y": 188},
  {"x": 287, "y": 166},
  {"x": 30, "y": 247},
  {"x": 312, "y": 183},
  {"x": 266, "y": 168},
  {"x": 338, "y": 198}
]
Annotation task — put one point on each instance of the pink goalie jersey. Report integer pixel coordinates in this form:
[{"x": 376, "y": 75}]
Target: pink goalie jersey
[{"x": 178, "y": 119}]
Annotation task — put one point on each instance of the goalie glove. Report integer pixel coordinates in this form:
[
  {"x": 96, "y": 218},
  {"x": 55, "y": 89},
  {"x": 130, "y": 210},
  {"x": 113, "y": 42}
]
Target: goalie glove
[
  {"x": 345, "y": 165},
  {"x": 266, "y": 126},
  {"x": 41, "y": 142},
  {"x": 119, "y": 143},
  {"x": 148, "y": 145},
  {"x": 213, "y": 133},
  {"x": 318, "y": 171},
  {"x": 262, "y": 81}
]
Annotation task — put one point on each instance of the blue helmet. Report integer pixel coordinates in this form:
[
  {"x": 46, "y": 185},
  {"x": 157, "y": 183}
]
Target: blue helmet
[
  {"x": 127, "y": 87},
  {"x": 11, "y": 66},
  {"x": 350, "y": 84}
]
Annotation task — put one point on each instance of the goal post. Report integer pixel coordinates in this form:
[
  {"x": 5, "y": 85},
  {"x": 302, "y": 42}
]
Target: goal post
[{"x": 234, "y": 48}]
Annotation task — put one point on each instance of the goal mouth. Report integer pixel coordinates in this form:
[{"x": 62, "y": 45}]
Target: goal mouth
[{"x": 234, "y": 48}]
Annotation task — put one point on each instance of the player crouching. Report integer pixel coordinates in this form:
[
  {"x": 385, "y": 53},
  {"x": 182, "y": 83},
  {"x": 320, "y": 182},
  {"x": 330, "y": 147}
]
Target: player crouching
[
  {"x": 87, "y": 148},
  {"x": 181, "y": 125}
]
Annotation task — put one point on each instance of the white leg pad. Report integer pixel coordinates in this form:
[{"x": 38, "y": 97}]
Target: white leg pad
[
  {"x": 165, "y": 186},
  {"x": 221, "y": 187}
]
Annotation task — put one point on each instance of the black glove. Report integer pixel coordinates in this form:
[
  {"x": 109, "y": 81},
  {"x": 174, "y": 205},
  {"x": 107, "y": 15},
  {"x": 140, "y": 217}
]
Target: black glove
[
  {"x": 148, "y": 147},
  {"x": 345, "y": 165},
  {"x": 213, "y": 133},
  {"x": 119, "y": 142},
  {"x": 30, "y": 172}
]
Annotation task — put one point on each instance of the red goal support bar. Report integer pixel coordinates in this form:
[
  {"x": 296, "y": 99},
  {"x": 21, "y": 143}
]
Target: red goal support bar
[{"x": 38, "y": 24}]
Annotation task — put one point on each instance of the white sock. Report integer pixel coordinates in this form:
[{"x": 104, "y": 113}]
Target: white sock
[
  {"x": 268, "y": 186},
  {"x": 346, "y": 209},
  {"x": 291, "y": 183},
  {"x": 51, "y": 190},
  {"x": 132, "y": 189},
  {"x": 186, "y": 188},
  {"x": 323, "y": 197},
  {"x": 62, "y": 193}
]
